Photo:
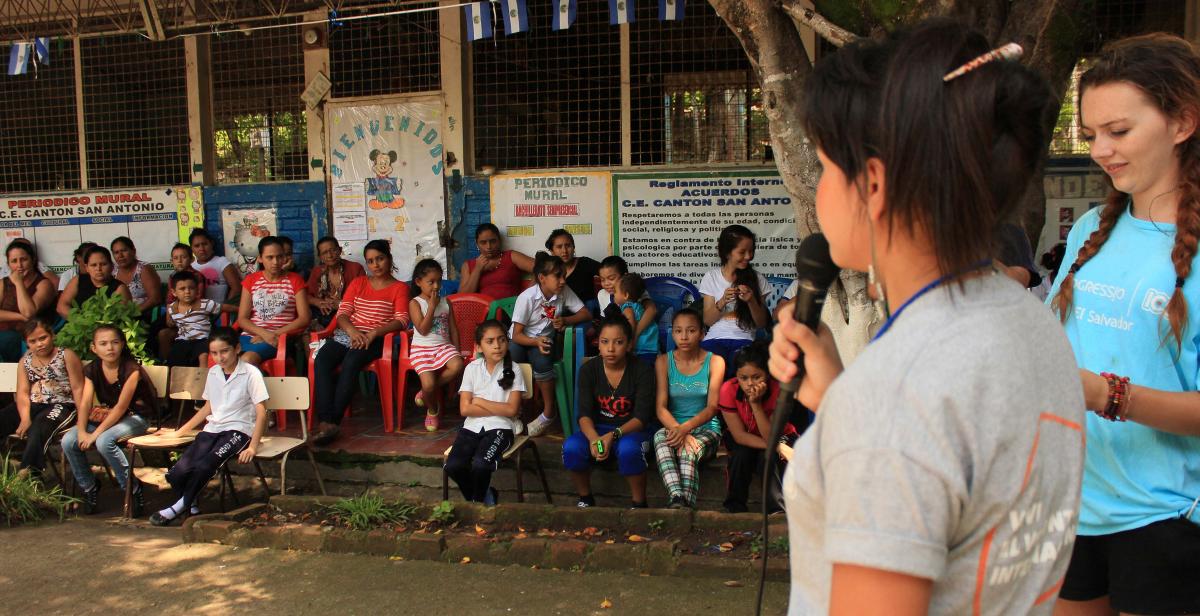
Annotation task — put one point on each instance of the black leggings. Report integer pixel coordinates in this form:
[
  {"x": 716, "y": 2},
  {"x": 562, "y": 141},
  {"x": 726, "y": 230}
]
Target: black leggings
[
  {"x": 743, "y": 463},
  {"x": 474, "y": 457},
  {"x": 47, "y": 419},
  {"x": 200, "y": 462}
]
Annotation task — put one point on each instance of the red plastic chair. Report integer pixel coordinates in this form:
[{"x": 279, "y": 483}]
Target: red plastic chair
[{"x": 384, "y": 369}]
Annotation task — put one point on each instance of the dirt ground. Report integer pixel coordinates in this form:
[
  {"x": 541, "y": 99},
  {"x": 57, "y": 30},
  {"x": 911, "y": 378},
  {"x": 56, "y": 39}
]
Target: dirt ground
[{"x": 95, "y": 566}]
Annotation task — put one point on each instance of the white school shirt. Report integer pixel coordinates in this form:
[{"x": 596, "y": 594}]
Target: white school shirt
[
  {"x": 487, "y": 386},
  {"x": 232, "y": 400},
  {"x": 714, "y": 285},
  {"x": 535, "y": 311}
]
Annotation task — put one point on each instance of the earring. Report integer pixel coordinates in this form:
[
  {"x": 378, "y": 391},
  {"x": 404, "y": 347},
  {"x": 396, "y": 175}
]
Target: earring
[{"x": 880, "y": 299}]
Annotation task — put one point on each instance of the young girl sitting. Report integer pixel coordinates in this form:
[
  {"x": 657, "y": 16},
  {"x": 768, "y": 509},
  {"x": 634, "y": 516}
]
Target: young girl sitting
[
  {"x": 490, "y": 399},
  {"x": 734, "y": 304},
  {"x": 124, "y": 400},
  {"x": 274, "y": 302},
  {"x": 190, "y": 315},
  {"x": 641, "y": 318},
  {"x": 688, "y": 381},
  {"x": 537, "y": 317},
  {"x": 48, "y": 384},
  {"x": 234, "y": 421},
  {"x": 747, "y": 402},
  {"x": 434, "y": 341}
]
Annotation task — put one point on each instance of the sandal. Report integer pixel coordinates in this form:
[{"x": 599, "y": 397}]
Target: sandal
[{"x": 432, "y": 419}]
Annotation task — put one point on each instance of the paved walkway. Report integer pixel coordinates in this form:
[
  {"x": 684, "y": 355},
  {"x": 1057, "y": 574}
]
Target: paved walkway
[{"x": 89, "y": 567}]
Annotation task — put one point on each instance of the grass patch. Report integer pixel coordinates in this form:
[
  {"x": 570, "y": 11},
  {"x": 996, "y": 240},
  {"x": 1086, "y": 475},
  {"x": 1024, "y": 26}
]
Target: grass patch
[
  {"x": 24, "y": 500},
  {"x": 369, "y": 511}
]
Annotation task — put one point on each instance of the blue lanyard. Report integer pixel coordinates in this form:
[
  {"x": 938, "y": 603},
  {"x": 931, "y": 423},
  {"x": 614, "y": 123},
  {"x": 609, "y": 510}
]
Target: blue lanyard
[{"x": 925, "y": 289}]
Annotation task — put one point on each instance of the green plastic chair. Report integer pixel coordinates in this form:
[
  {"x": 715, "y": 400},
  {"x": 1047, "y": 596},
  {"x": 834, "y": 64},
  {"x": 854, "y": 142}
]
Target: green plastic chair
[
  {"x": 507, "y": 304},
  {"x": 564, "y": 385}
]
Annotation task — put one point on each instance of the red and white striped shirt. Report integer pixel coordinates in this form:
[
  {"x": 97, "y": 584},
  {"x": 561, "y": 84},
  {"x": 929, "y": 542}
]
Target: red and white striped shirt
[
  {"x": 273, "y": 304},
  {"x": 369, "y": 308}
]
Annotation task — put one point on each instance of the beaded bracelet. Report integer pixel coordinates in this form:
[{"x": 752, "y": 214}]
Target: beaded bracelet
[{"x": 1118, "y": 397}]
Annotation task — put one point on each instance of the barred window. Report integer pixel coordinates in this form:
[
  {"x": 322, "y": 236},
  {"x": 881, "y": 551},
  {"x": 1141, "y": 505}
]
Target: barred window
[
  {"x": 545, "y": 99},
  {"x": 387, "y": 55},
  {"x": 39, "y": 138},
  {"x": 259, "y": 129},
  {"x": 135, "y": 112},
  {"x": 695, "y": 98}
]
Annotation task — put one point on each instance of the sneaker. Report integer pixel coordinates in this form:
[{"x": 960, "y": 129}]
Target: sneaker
[
  {"x": 419, "y": 400},
  {"x": 677, "y": 502},
  {"x": 586, "y": 501},
  {"x": 493, "y": 497},
  {"x": 91, "y": 500},
  {"x": 431, "y": 421},
  {"x": 538, "y": 426},
  {"x": 139, "y": 501}
]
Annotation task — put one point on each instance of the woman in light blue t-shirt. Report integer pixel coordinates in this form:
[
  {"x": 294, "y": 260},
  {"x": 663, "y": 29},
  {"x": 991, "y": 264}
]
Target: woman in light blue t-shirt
[{"x": 1125, "y": 296}]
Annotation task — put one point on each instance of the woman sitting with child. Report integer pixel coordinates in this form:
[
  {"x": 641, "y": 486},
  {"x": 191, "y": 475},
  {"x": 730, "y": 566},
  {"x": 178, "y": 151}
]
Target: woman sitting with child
[
  {"x": 616, "y": 411},
  {"x": 48, "y": 384},
  {"x": 24, "y": 293},
  {"x": 273, "y": 303}
]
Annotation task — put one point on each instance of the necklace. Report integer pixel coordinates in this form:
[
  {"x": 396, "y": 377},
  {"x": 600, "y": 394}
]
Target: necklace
[{"x": 925, "y": 289}]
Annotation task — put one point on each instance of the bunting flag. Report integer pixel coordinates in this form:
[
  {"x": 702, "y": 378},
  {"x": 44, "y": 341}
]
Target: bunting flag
[
  {"x": 620, "y": 12},
  {"x": 41, "y": 50},
  {"x": 564, "y": 15},
  {"x": 670, "y": 10},
  {"x": 479, "y": 20},
  {"x": 18, "y": 58},
  {"x": 515, "y": 18}
]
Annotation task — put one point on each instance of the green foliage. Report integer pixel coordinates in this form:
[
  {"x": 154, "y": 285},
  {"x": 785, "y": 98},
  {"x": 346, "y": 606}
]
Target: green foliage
[
  {"x": 443, "y": 513},
  {"x": 370, "y": 511},
  {"x": 103, "y": 309},
  {"x": 23, "y": 499},
  {"x": 657, "y": 525},
  {"x": 778, "y": 545}
]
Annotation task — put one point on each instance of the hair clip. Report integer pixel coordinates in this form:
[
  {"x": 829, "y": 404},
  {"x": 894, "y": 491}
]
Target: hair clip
[{"x": 1011, "y": 51}]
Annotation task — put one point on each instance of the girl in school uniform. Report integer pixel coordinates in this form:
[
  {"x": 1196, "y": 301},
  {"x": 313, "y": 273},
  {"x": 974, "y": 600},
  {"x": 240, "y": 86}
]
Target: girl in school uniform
[
  {"x": 490, "y": 399},
  {"x": 234, "y": 421},
  {"x": 434, "y": 352}
]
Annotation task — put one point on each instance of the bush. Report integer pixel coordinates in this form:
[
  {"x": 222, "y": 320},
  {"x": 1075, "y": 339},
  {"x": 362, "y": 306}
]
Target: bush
[
  {"x": 103, "y": 309},
  {"x": 24, "y": 499},
  {"x": 369, "y": 511}
]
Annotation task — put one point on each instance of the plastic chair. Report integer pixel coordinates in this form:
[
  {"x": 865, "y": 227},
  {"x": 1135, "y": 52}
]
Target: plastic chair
[
  {"x": 564, "y": 385},
  {"x": 667, "y": 307},
  {"x": 384, "y": 368},
  {"x": 505, "y": 305},
  {"x": 470, "y": 309},
  {"x": 280, "y": 366},
  {"x": 449, "y": 287},
  {"x": 520, "y": 444},
  {"x": 778, "y": 285},
  {"x": 669, "y": 286},
  {"x": 580, "y": 357}
]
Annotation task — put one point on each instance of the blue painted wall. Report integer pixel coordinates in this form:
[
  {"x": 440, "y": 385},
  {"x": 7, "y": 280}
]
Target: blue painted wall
[
  {"x": 300, "y": 208},
  {"x": 469, "y": 208}
]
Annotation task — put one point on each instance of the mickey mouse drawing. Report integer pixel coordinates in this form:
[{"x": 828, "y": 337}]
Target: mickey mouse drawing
[{"x": 383, "y": 189}]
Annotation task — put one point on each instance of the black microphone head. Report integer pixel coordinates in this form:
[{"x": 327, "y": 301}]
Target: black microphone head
[{"x": 813, "y": 262}]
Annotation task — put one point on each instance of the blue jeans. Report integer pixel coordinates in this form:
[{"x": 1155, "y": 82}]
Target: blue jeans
[
  {"x": 106, "y": 444},
  {"x": 631, "y": 450},
  {"x": 264, "y": 350},
  {"x": 542, "y": 364}
]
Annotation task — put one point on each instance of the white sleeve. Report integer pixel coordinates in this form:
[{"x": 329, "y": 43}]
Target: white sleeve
[
  {"x": 523, "y": 309},
  {"x": 790, "y": 292},
  {"x": 257, "y": 387},
  {"x": 764, "y": 288},
  {"x": 470, "y": 375},
  {"x": 713, "y": 284},
  {"x": 210, "y": 387},
  {"x": 571, "y": 301}
]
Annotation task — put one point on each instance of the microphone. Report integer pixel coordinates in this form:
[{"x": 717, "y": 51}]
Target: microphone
[{"x": 815, "y": 271}]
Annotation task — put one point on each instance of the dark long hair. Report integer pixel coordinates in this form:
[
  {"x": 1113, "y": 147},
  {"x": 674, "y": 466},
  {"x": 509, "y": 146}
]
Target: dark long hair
[
  {"x": 382, "y": 246},
  {"x": 1166, "y": 69},
  {"x": 730, "y": 237},
  {"x": 748, "y": 277},
  {"x": 507, "y": 376}
]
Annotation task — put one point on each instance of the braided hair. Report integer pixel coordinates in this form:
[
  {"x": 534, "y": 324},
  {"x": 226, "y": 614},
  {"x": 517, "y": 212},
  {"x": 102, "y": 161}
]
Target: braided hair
[
  {"x": 1166, "y": 69},
  {"x": 507, "y": 376}
]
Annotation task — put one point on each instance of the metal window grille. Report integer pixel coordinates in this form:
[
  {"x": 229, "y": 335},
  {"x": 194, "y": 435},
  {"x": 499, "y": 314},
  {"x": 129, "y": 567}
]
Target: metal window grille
[
  {"x": 39, "y": 138},
  {"x": 546, "y": 99},
  {"x": 694, "y": 96},
  {"x": 135, "y": 112},
  {"x": 388, "y": 55},
  {"x": 259, "y": 127}
]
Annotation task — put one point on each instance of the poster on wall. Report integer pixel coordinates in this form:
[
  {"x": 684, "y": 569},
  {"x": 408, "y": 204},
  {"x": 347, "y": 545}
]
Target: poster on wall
[
  {"x": 58, "y": 223},
  {"x": 528, "y": 206},
  {"x": 1069, "y": 195},
  {"x": 391, "y": 153},
  {"x": 667, "y": 224},
  {"x": 242, "y": 230},
  {"x": 189, "y": 210}
]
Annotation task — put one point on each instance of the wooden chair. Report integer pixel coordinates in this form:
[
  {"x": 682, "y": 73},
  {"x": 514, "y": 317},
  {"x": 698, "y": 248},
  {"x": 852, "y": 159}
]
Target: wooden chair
[
  {"x": 185, "y": 385},
  {"x": 384, "y": 369},
  {"x": 516, "y": 451},
  {"x": 288, "y": 393}
]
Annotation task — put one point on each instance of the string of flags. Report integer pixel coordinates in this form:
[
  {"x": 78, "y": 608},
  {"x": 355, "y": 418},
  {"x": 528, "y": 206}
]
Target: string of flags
[
  {"x": 515, "y": 18},
  {"x": 24, "y": 53}
]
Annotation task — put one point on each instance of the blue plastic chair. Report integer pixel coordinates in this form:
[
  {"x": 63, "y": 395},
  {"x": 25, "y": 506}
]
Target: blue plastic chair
[
  {"x": 671, "y": 287},
  {"x": 778, "y": 284},
  {"x": 449, "y": 287},
  {"x": 667, "y": 307},
  {"x": 580, "y": 356}
]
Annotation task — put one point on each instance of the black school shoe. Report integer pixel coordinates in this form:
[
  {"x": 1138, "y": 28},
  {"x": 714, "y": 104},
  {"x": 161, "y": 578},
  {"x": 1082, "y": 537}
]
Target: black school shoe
[
  {"x": 326, "y": 436},
  {"x": 139, "y": 501},
  {"x": 637, "y": 505},
  {"x": 157, "y": 519},
  {"x": 91, "y": 500}
]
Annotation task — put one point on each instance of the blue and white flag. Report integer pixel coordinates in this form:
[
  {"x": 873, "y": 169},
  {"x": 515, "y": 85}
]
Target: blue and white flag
[
  {"x": 564, "y": 14},
  {"x": 670, "y": 10},
  {"x": 479, "y": 20},
  {"x": 18, "y": 58},
  {"x": 41, "y": 50},
  {"x": 515, "y": 18},
  {"x": 620, "y": 12}
]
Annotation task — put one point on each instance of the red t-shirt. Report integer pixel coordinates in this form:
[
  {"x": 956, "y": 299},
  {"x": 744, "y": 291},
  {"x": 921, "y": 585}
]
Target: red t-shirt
[
  {"x": 732, "y": 400},
  {"x": 369, "y": 308},
  {"x": 272, "y": 304}
]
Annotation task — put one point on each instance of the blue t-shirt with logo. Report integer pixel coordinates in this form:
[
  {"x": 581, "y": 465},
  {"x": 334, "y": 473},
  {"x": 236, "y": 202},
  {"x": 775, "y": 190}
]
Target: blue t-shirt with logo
[{"x": 1134, "y": 475}]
